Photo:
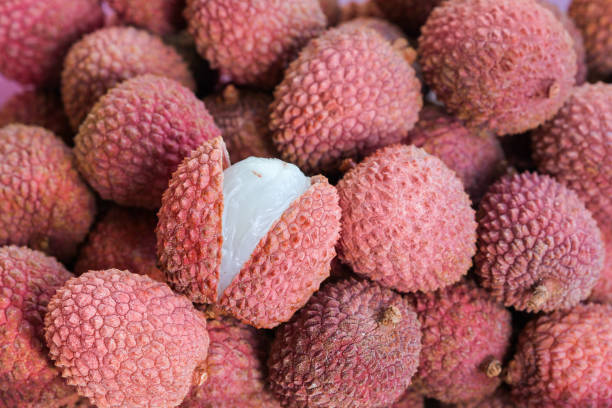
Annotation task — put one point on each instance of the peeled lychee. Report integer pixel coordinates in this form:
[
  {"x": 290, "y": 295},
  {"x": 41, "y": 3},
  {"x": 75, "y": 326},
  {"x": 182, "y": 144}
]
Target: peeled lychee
[
  {"x": 503, "y": 65},
  {"x": 44, "y": 204},
  {"x": 594, "y": 19},
  {"x": 136, "y": 136},
  {"x": 355, "y": 344},
  {"x": 406, "y": 220},
  {"x": 539, "y": 248},
  {"x": 125, "y": 340},
  {"x": 255, "y": 240},
  {"x": 158, "y": 16}
]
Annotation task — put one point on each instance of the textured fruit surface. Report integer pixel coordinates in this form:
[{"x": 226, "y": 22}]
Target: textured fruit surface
[
  {"x": 122, "y": 239},
  {"x": 564, "y": 359},
  {"x": 602, "y": 291},
  {"x": 27, "y": 376},
  {"x": 410, "y": 399},
  {"x": 354, "y": 344},
  {"x": 409, "y": 14},
  {"x": 136, "y": 136},
  {"x": 406, "y": 220},
  {"x": 539, "y": 248},
  {"x": 501, "y": 398},
  {"x": 465, "y": 337},
  {"x": 158, "y": 16},
  {"x": 251, "y": 42},
  {"x": 505, "y": 65},
  {"x": 242, "y": 117},
  {"x": 389, "y": 31},
  {"x": 476, "y": 157},
  {"x": 44, "y": 203},
  {"x": 108, "y": 57},
  {"x": 35, "y": 35},
  {"x": 594, "y": 19},
  {"x": 125, "y": 340},
  {"x": 347, "y": 94}
]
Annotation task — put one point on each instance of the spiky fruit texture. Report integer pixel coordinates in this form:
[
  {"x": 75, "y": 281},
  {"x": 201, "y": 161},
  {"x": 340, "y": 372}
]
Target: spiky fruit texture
[
  {"x": 242, "y": 117},
  {"x": 410, "y": 14},
  {"x": 125, "y": 340},
  {"x": 354, "y": 344},
  {"x": 389, "y": 31},
  {"x": 347, "y": 94},
  {"x": 594, "y": 19},
  {"x": 235, "y": 368},
  {"x": 108, "y": 57},
  {"x": 406, "y": 220},
  {"x": 285, "y": 268},
  {"x": 35, "y": 35},
  {"x": 135, "y": 137},
  {"x": 410, "y": 399},
  {"x": 158, "y": 16},
  {"x": 27, "y": 377},
  {"x": 465, "y": 337},
  {"x": 539, "y": 248},
  {"x": 44, "y": 204},
  {"x": 250, "y": 43},
  {"x": 476, "y": 157},
  {"x": 505, "y": 65},
  {"x": 602, "y": 291},
  {"x": 563, "y": 359},
  {"x": 122, "y": 239}
]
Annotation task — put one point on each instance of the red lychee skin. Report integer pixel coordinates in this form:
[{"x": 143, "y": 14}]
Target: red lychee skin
[
  {"x": 594, "y": 19},
  {"x": 35, "y": 35},
  {"x": 410, "y": 399},
  {"x": 135, "y": 137},
  {"x": 602, "y": 291},
  {"x": 410, "y": 14},
  {"x": 286, "y": 266},
  {"x": 242, "y": 117},
  {"x": 503, "y": 65},
  {"x": 29, "y": 279},
  {"x": 355, "y": 344},
  {"x": 122, "y": 239},
  {"x": 465, "y": 333},
  {"x": 107, "y": 57},
  {"x": 564, "y": 359},
  {"x": 539, "y": 248},
  {"x": 250, "y": 43},
  {"x": 347, "y": 94},
  {"x": 158, "y": 16},
  {"x": 406, "y": 220},
  {"x": 389, "y": 31},
  {"x": 125, "y": 340},
  {"x": 476, "y": 157},
  {"x": 44, "y": 204},
  {"x": 501, "y": 398}
]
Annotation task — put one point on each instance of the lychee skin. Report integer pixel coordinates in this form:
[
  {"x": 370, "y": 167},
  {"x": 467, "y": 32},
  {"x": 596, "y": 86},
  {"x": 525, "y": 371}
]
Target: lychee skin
[
  {"x": 563, "y": 359},
  {"x": 354, "y": 344},
  {"x": 135, "y": 137},
  {"x": 602, "y": 291},
  {"x": 347, "y": 94},
  {"x": 539, "y": 248},
  {"x": 158, "y": 16},
  {"x": 28, "y": 379},
  {"x": 108, "y": 57},
  {"x": 44, "y": 204},
  {"x": 593, "y": 18},
  {"x": 465, "y": 333},
  {"x": 250, "y": 43},
  {"x": 503, "y": 65},
  {"x": 35, "y": 35},
  {"x": 410, "y": 399},
  {"x": 389, "y": 31},
  {"x": 406, "y": 220},
  {"x": 501, "y": 398},
  {"x": 125, "y": 340}
]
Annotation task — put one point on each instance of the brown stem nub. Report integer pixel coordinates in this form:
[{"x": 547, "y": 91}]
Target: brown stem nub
[
  {"x": 200, "y": 374},
  {"x": 539, "y": 296},
  {"x": 231, "y": 95},
  {"x": 346, "y": 165},
  {"x": 494, "y": 368},
  {"x": 391, "y": 315}
]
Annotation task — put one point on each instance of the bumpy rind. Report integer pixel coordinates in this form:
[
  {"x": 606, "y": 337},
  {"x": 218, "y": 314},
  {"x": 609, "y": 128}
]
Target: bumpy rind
[
  {"x": 406, "y": 220},
  {"x": 125, "y": 340},
  {"x": 158, "y": 16},
  {"x": 339, "y": 350},
  {"x": 594, "y": 19},
  {"x": 602, "y": 291}
]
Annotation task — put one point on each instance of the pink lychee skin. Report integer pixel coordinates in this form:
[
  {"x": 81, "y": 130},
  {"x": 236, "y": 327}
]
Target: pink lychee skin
[
  {"x": 158, "y": 16},
  {"x": 410, "y": 399}
]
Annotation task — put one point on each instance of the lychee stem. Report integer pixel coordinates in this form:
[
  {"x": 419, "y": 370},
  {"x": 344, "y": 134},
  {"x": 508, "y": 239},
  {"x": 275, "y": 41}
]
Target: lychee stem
[
  {"x": 391, "y": 316},
  {"x": 231, "y": 95},
  {"x": 539, "y": 296},
  {"x": 199, "y": 374},
  {"x": 494, "y": 368}
]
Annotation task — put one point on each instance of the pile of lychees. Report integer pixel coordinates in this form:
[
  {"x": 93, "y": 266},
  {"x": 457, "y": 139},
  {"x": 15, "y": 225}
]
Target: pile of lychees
[{"x": 305, "y": 203}]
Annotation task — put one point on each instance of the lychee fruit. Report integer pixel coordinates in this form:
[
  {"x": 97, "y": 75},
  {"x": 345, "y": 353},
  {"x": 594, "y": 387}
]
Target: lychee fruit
[
  {"x": 501, "y": 398},
  {"x": 125, "y": 340},
  {"x": 602, "y": 291},
  {"x": 108, "y": 57},
  {"x": 27, "y": 376},
  {"x": 476, "y": 157},
  {"x": 250, "y": 43},
  {"x": 158, "y": 16},
  {"x": 539, "y": 248},
  {"x": 242, "y": 116},
  {"x": 123, "y": 239},
  {"x": 503, "y": 65},
  {"x": 44, "y": 204},
  {"x": 410, "y": 14},
  {"x": 564, "y": 359},
  {"x": 255, "y": 239},
  {"x": 406, "y": 220},
  {"x": 35, "y": 35},
  {"x": 594, "y": 19},
  {"x": 354, "y": 344},
  {"x": 389, "y": 31},
  {"x": 410, "y": 399},
  {"x": 466, "y": 335},
  {"x": 331, "y": 9}
]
